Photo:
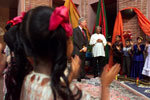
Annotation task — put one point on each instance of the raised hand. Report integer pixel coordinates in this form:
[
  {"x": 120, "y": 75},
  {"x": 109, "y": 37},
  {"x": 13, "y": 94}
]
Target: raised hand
[
  {"x": 109, "y": 43},
  {"x": 75, "y": 66},
  {"x": 131, "y": 43},
  {"x": 108, "y": 75},
  {"x": 106, "y": 79},
  {"x": 118, "y": 48}
]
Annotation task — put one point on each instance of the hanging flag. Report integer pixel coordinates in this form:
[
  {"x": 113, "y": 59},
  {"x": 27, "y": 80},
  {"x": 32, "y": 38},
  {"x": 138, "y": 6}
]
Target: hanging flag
[
  {"x": 74, "y": 15},
  {"x": 101, "y": 20}
]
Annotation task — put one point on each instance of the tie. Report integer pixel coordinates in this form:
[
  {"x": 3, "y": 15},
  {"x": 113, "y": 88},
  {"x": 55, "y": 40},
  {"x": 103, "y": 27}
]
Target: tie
[{"x": 83, "y": 33}]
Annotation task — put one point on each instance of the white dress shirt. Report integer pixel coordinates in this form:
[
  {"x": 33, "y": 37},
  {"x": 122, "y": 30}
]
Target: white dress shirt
[
  {"x": 80, "y": 28},
  {"x": 98, "y": 47}
]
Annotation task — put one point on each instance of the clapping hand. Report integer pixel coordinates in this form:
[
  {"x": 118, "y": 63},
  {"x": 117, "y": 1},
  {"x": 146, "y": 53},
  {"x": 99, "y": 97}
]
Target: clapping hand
[
  {"x": 131, "y": 43},
  {"x": 75, "y": 66},
  {"x": 99, "y": 40},
  {"x": 108, "y": 75},
  {"x": 118, "y": 48},
  {"x": 109, "y": 43}
]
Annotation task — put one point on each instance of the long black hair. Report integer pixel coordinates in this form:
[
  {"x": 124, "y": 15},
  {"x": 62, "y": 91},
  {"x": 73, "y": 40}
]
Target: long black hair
[
  {"x": 45, "y": 45},
  {"x": 18, "y": 67}
]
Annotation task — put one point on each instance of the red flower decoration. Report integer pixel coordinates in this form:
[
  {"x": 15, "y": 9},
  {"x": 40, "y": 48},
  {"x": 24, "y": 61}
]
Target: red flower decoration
[{"x": 127, "y": 35}]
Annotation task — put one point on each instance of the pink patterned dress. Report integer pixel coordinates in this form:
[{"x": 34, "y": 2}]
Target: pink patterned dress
[{"x": 36, "y": 86}]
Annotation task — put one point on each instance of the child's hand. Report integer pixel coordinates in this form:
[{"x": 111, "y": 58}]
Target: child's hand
[
  {"x": 131, "y": 43},
  {"x": 109, "y": 43},
  {"x": 118, "y": 48},
  {"x": 75, "y": 66},
  {"x": 84, "y": 49},
  {"x": 108, "y": 75}
]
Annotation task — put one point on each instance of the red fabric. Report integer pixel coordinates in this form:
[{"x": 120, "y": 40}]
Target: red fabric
[
  {"x": 143, "y": 22},
  {"x": 60, "y": 16},
  {"x": 17, "y": 20},
  {"x": 100, "y": 19},
  {"x": 118, "y": 27},
  {"x": 83, "y": 34},
  {"x": 104, "y": 20}
]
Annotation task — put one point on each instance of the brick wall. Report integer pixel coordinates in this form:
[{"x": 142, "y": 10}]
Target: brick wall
[
  {"x": 148, "y": 10},
  {"x": 129, "y": 25},
  {"x": 148, "y": 14},
  {"x": 34, "y": 3},
  {"x": 4, "y": 17},
  {"x": 132, "y": 24}
]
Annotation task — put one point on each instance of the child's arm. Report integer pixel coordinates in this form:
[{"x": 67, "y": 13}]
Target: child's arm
[
  {"x": 114, "y": 47},
  {"x": 130, "y": 51},
  {"x": 75, "y": 66},
  {"x": 119, "y": 49},
  {"x": 138, "y": 46},
  {"x": 110, "y": 45},
  {"x": 106, "y": 78},
  {"x": 71, "y": 72},
  {"x": 132, "y": 45}
]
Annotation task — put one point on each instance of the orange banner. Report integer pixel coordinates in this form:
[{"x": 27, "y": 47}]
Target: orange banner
[{"x": 118, "y": 27}]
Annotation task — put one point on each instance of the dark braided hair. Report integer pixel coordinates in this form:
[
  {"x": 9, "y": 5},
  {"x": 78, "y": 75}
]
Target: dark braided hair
[
  {"x": 47, "y": 46},
  {"x": 19, "y": 67}
]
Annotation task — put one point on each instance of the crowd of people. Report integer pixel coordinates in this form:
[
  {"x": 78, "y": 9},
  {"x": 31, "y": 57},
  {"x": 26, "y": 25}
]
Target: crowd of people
[
  {"x": 131, "y": 57},
  {"x": 43, "y": 55},
  {"x": 40, "y": 60}
]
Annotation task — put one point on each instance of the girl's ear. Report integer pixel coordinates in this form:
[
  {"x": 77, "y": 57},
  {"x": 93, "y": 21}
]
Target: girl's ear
[{"x": 30, "y": 59}]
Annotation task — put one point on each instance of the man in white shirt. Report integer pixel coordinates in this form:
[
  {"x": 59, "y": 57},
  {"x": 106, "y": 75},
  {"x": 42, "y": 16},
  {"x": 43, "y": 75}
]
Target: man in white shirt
[{"x": 98, "y": 42}]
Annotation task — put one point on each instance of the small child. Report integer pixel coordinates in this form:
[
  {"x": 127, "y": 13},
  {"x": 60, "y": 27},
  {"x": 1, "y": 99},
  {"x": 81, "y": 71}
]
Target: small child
[
  {"x": 138, "y": 59},
  {"x": 117, "y": 50},
  {"x": 127, "y": 58},
  {"x": 146, "y": 69}
]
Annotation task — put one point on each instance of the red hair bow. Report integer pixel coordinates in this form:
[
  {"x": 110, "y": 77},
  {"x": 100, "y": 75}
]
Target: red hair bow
[
  {"x": 60, "y": 16},
  {"x": 17, "y": 20}
]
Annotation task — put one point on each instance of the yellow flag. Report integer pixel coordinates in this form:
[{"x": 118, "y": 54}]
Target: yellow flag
[{"x": 74, "y": 15}]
